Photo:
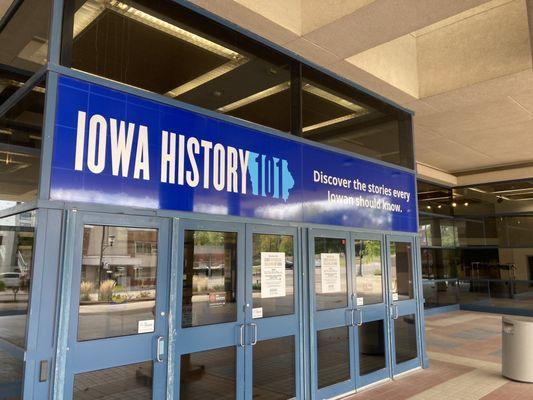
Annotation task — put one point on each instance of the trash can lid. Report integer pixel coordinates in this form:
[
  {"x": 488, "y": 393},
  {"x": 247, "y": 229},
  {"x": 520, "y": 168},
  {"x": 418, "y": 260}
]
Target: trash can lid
[{"x": 516, "y": 318}]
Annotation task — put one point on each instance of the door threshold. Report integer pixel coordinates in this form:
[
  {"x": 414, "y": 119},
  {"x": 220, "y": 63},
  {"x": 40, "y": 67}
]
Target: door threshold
[
  {"x": 363, "y": 388},
  {"x": 401, "y": 375}
]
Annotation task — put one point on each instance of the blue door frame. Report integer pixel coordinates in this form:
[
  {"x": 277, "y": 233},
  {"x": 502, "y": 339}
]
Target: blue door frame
[
  {"x": 404, "y": 310},
  {"x": 367, "y": 313},
  {"x": 75, "y": 357}
]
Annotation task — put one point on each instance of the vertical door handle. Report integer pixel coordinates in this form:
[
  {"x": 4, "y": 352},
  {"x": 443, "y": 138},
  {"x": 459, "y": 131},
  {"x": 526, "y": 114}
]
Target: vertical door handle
[
  {"x": 160, "y": 349},
  {"x": 360, "y": 321},
  {"x": 241, "y": 335},
  {"x": 254, "y": 340},
  {"x": 352, "y": 321}
]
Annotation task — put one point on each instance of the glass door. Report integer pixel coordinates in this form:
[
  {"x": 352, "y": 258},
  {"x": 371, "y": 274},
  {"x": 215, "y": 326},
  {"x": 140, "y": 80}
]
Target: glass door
[
  {"x": 115, "y": 304},
  {"x": 370, "y": 309},
  {"x": 403, "y": 304},
  {"x": 272, "y": 304},
  {"x": 211, "y": 328},
  {"x": 332, "y": 317}
]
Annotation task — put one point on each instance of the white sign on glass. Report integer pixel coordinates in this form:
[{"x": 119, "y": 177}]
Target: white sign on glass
[
  {"x": 331, "y": 272},
  {"x": 145, "y": 326},
  {"x": 257, "y": 312},
  {"x": 272, "y": 274}
]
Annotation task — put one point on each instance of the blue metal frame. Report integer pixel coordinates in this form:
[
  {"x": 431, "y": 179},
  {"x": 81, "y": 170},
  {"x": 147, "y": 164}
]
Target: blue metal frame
[
  {"x": 330, "y": 318},
  {"x": 77, "y": 357},
  {"x": 404, "y": 307},
  {"x": 373, "y": 312},
  {"x": 210, "y": 337},
  {"x": 277, "y": 326}
]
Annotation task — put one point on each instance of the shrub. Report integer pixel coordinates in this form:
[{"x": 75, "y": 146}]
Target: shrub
[
  {"x": 2, "y": 286},
  {"x": 106, "y": 290},
  {"x": 86, "y": 288}
]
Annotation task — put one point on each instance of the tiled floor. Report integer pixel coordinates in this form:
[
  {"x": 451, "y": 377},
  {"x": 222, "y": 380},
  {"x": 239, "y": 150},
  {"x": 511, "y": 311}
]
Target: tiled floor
[{"x": 464, "y": 349}]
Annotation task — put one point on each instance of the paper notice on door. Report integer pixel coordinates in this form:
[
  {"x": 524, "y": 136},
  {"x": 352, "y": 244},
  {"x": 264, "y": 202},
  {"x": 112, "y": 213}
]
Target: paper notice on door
[
  {"x": 360, "y": 301},
  {"x": 145, "y": 326},
  {"x": 330, "y": 272},
  {"x": 272, "y": 274},
  {"x": 395, "y": 297},
  {"x": 257, "y": 312}
]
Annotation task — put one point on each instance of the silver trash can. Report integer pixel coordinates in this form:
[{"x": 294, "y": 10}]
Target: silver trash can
[{"x": 517, "y": 348}]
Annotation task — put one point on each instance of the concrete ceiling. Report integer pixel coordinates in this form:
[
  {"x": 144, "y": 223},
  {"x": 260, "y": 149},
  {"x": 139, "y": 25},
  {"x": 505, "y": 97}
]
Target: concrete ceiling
[{"x": 463, "y": 66}]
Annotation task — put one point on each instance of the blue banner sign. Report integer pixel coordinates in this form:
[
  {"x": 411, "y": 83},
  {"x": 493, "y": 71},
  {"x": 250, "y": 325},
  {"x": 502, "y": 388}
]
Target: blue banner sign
[{"x": 115, "y": 148}]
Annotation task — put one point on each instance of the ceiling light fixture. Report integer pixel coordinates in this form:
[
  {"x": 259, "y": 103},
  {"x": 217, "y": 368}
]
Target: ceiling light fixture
[
  {"x": 255, "y": 97},
  {"x": 454, "y": 204},
  {"x": 91, "y": 9},
  {"x": 466, "y": 204},
  {"x": 357, "y": 109}
]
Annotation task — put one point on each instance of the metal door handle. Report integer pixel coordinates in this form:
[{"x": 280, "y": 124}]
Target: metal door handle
[
  {"x": 160, "y": 349},
  {"x": 241, "y": 336},
  {"x": 254, "y": 340},
  {"x": 352, "y": 321},
  {"x": 360, "y": 322}
]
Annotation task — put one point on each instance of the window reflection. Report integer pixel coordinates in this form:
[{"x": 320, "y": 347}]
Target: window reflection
[
  {"x": 372, "y": 356},
  {"x": 118, "y": 281},
  {"x": 209, "y": 375},
  {"x": 209, "y": 278},
  {"x": 274, "y": 369},
  {"x": 333, "y": 356},
  {"x": 330, "y": 273},
  {"x": 368, "y": 272},
  {"x": 127, "y": 382},
  {"x": 273, "y": 275},
  {"x": 336, "y": 114},
  {"x": 401, "y": 271},
  {"x": 405, "y": 338},
  {"x": 16, "y": 261}
]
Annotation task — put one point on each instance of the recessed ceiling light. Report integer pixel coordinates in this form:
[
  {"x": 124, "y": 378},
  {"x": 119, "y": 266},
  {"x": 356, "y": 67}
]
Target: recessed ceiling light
[{"x": 454, "y": 204}]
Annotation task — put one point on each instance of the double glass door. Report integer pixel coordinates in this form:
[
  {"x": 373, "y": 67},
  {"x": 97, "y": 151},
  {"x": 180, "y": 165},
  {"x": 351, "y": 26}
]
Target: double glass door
[
  {"x": 238, "y": 335},
  {"x": 364, "y": 326}
]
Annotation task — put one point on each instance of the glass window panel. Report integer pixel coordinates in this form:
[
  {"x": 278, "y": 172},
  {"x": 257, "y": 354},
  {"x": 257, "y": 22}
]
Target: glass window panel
[
  {"x": 132, "y": 381},
  {"x": 208, "y": 375},
  {"x": 170, "y": 50},
  {"x": 209, "y": 278},
  {"x": 368, "y": 271},
  {"x": 118, "y": 283},
  {"x": 401, "y": 270},
  {"x": 372, "y": 355},
  {"x": 273, "y": 274},
  {"x": 11, "y": 371},
  {"x": 333, "y": 356},
  {"x": 24, "y": 39},
  {"x": 20, "y": 143},
  {"x": 405, "y": 338},
  {"x": 16, "y": 262},
  {"x": 330, "y": 278},
  {"x": 338, "y": 115},
  {"x": 274, "y": 369}
]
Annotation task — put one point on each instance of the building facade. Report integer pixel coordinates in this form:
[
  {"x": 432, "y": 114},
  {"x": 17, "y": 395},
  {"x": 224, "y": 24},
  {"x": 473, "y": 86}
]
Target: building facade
[{"x": 191, "y": 212}]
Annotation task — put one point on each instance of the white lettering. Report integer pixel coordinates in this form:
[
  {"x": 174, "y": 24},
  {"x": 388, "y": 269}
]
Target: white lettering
[
  {"x": 181, "y": 158},
  {"x": 121, "y": 147},
  {"x": 80, "y": 141},
  {"x": 193, "y": 147},
  {"x": 244, "y": 158},
  {"x": 219, "y": 164},
  {"x": 232, "y": 184},
  {"x": 207, "y": 146},
  {"x": 97, "y": 130},
  {"x": 142, "y": 163},
  {"x": 168, "y": 157}
]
